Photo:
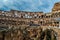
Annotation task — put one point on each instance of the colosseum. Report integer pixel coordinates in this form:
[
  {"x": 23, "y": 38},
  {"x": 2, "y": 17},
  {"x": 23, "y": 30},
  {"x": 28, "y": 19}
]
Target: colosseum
[{"x": 22, "y": 25}]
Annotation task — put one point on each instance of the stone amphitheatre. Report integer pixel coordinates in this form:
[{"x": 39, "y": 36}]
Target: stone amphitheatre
[{"x": 22, "y": 25}]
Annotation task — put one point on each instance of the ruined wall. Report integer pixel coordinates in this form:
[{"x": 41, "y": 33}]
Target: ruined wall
[
  {"x": 20, "y": 19},
  {"x": 28, "y": 33},
  {"x": 56, "y": 7},
  {"x": 26, "y": 18}
]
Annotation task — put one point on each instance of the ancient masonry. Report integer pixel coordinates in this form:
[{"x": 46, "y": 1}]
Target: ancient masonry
[{"x": 15, "y": 18}]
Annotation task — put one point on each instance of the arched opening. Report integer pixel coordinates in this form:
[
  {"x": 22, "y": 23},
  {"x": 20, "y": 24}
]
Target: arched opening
[{"x": 48, "y": 34}]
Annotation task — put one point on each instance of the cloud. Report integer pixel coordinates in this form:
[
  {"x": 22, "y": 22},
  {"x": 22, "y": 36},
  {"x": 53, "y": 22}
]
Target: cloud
[{"x": 28, "y": 5}]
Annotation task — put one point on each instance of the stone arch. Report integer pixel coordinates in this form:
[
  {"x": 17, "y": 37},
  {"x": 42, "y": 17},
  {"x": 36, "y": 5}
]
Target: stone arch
[{"x": 48, "y": 34}]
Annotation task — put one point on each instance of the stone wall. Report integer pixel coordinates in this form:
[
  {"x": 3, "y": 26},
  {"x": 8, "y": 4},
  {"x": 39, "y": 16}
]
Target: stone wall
[
  {"x": 28, "y": 22},
  {"x": 56, "y": 7},
  {"x": 27, "y": 33}
]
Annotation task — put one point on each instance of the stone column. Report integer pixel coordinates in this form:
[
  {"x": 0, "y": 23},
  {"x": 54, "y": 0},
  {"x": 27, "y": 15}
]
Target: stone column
[{"x": 59, "y": 25}]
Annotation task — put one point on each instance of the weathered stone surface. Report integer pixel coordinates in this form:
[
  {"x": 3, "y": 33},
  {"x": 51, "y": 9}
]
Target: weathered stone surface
[
  {"x": 29, "y": 25},
  {"x": 56, "y": 7}
]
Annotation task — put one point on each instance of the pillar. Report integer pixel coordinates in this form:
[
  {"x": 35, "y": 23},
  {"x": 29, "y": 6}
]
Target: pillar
[{"x": 59, "y": 25}]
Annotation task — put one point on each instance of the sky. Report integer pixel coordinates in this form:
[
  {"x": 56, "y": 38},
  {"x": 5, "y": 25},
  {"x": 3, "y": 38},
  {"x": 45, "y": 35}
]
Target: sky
[{"x": 28, "y": 5}]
